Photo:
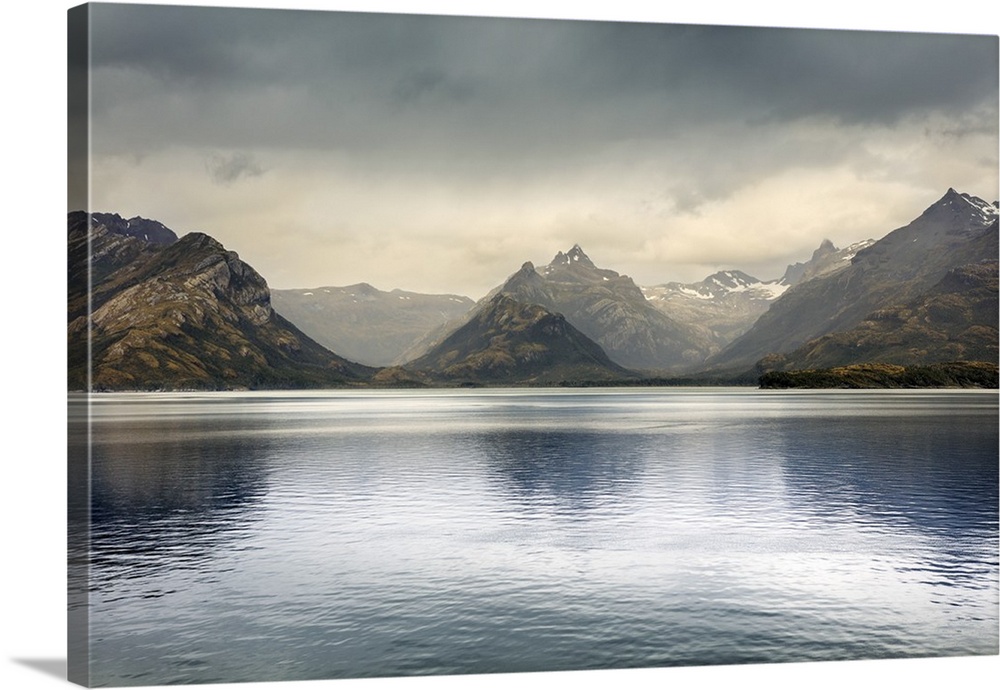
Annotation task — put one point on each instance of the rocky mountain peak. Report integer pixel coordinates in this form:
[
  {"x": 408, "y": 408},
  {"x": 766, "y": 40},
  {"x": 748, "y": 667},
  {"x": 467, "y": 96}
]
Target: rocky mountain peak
[
  {"x": 960, "y": 209},
  {"x": 150, "y": 231},
  {"x": 826, "y": 259},
  {"x": 526, "y": 283},
  {"x": 365, "y": 290},
  {"x": 825, "y": 247},
  {"x": 199, "y": 240},
  {"x": 575, "y": 255},
  {"x": 838, "y": 293},
  {"x": 207, "y": 264}
]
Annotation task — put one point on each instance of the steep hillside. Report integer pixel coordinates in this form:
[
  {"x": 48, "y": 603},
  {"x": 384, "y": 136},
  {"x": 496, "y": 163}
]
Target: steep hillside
[
  {"x": 507, "y": 341},
  {"x": 955, "y": 320},
  {"x": 183, "y": 314},
  {"x": 958, "y": 229}
]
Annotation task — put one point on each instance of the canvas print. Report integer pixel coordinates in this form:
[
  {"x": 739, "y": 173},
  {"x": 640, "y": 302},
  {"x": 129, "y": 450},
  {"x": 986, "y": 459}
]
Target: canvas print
[{"x": 434, "y": 345}]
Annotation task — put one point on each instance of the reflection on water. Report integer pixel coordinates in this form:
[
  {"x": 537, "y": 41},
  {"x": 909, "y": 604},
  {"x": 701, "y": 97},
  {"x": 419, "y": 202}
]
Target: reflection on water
[
  {"x": 345, "y": 534},
  {"x": 934, "y": 475},
  {"x": 574, "y": 471}
]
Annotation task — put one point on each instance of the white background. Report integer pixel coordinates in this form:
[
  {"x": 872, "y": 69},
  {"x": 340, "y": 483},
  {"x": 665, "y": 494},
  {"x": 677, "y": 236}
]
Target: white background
[{"x": 32, "y": 608}]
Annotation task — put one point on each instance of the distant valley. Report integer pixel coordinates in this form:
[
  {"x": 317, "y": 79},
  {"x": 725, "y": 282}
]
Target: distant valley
[
  {"x": 366, "y": 324},
  {"x": 187, "y": 313}
]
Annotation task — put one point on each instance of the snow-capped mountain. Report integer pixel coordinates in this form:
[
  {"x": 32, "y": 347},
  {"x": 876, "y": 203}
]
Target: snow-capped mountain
[
  {"x": 717, "y": 286},
  {"x": 729, "y": 302}
]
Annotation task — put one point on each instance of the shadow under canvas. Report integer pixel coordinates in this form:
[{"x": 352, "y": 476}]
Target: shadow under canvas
[{"x": 50, "y": 667}]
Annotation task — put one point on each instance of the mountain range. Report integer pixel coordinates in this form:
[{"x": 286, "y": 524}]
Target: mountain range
[
  {"x": 957, "y": 230},
  {"x": 729, "y": 302},
  {"x": 179, "y": 314},
  {"x": 158, "y": 311},
  {"x": 607, "y": 307}
]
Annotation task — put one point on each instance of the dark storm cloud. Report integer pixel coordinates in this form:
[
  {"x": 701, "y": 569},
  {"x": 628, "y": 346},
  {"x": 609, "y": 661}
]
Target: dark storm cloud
[
  {"x": 430, "y": 84},
  {"x": 228, "y": 169},
  {"x": 359, "y": 81},
  {"x": 853, "y": 76}
]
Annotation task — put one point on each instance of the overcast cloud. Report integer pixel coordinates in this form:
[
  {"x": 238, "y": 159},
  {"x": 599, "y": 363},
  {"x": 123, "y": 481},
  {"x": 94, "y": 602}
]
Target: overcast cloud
[{"x": 439, "y": 153}]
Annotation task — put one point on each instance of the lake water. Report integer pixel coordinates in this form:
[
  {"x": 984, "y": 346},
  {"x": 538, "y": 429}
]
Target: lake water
[{"x": 305, "y": 535}]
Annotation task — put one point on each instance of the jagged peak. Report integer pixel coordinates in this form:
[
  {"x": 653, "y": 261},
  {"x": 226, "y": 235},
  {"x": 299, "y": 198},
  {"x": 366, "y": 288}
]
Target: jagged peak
[
  {"x": 575, "y": 255},
  {"x": 825, "y": 247},
  {"x": 140, "y": 219},
  {"x": 954, "y": 205},
  {"x": 953, "y": 197},
  {"x": 141, "y": 228},
  {"x": 200, "y": 240}
]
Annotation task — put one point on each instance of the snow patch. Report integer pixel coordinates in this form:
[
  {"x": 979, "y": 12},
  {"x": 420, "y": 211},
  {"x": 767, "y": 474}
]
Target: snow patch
[{"x": 770, "y": 290}]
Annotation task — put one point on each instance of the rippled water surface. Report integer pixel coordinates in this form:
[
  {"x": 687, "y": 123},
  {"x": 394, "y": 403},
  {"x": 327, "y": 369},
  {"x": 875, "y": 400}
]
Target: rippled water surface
[{"x": 264, "y": 536}]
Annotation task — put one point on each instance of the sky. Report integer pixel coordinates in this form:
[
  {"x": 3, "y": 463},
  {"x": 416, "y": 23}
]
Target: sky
[{"x": 438, "y": 153}]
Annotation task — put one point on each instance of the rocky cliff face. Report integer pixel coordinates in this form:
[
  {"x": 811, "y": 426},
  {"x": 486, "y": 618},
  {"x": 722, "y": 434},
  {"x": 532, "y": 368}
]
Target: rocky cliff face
[{"x": 180, "y": 314}]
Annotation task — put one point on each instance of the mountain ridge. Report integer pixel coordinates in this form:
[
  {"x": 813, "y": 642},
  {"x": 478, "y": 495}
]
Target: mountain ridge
[
  {"x": 181, "y": 314},
  {"x": 162, "y": 311},
  {"x": 956, "y": 230},
  {"x": 956, "y": 320},
  {"x": 607, "y": 307}
]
